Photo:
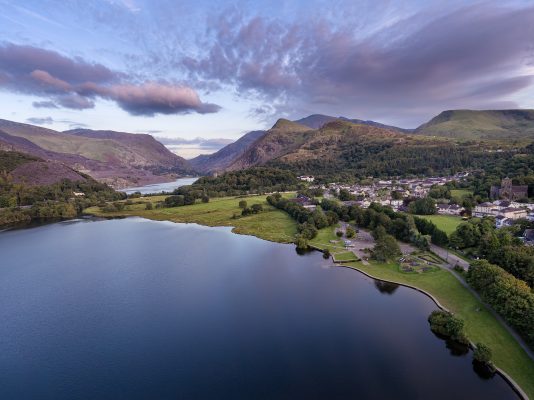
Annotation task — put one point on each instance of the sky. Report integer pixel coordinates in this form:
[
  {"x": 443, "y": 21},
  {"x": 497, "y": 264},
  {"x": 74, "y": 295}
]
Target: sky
[{"x": 193, "y": 72}]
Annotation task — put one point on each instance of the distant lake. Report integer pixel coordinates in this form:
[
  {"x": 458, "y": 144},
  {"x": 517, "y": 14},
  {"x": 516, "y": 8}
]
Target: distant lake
[
  {"x": 137, "y": 309},
  {"x": 161, "y": 187}
]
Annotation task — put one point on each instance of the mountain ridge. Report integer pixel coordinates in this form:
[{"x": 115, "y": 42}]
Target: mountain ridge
[{"x": 118, "y": 158}]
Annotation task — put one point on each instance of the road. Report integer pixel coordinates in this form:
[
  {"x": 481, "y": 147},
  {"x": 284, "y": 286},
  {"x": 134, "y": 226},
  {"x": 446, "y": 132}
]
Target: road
[{"x": 452, "y": 259}]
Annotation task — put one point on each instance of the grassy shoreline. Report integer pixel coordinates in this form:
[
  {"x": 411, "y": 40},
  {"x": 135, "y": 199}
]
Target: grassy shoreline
[
  {"x": 270, "y": 224},
  {"x": 480, "y": 324}
]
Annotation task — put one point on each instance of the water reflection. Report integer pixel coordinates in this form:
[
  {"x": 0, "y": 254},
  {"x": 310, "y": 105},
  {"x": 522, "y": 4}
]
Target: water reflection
[{"x": 386, "y": 287}]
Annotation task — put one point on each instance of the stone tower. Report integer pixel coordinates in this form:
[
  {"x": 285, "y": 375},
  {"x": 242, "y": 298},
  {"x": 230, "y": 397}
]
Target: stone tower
[{"x": 506, "y": 188}]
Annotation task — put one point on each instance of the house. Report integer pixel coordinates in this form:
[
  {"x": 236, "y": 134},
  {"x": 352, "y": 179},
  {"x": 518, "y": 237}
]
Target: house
[
  {"x": 306, "y": 178},
  {"x": 78, "y": 194},
  {"x": 450, "y": 209},
  {"x": 486, "y": 210},
  {"x": 513, "y": 213}
]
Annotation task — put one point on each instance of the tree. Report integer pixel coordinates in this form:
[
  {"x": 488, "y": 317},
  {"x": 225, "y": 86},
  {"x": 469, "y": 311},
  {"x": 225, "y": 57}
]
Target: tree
[
  {"x": 326, "y": 254},
  {"x": 205, "y": 199},
  {"x": 482, "y": 354},
  {"x": 302, "y": 243},
  {"x": 350, "y": 232},
  {"x": 256, "y": 208},
  {"x": 149, "y": 206},
  {"x": 446, "y": 324},
  {"x": 243, "y": 204},
  {"x": 386, "y": 248},
  {"x": 344, "y": 195},
  {"x": 425, "y": 206},
  {"x": 339, "y": 234}
]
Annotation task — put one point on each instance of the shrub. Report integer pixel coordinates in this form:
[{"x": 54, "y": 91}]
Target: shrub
[
  {"x": 446, "y": 324},
  {"x": 482, "y": 354}
]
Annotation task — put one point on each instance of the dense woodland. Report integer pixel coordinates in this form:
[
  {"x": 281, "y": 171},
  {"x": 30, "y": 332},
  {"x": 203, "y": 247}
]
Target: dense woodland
[
  {"x": 478, "y": 238},
  {"x": 258, "y": 180}
]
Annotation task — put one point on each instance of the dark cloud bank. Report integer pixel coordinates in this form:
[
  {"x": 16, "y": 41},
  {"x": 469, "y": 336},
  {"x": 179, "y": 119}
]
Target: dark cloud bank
[{"x": 474, "y": 57}]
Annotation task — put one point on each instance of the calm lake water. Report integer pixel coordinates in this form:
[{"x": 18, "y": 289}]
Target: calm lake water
[
  {"x": 135, "y": 309},
  {"x": 161, "y": 187}
]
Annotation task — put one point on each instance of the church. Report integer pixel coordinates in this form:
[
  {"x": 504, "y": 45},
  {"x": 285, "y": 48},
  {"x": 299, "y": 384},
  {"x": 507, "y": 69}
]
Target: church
[{"x": 508, "y": 191}]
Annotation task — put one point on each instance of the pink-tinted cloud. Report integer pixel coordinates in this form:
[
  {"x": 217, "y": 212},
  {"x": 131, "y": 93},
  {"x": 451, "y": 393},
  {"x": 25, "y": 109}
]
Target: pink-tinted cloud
[{"x": 75, "y": 84}]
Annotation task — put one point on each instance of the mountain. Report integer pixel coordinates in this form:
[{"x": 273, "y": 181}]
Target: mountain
[
  {"x": 476, "y": 125},
  {"x": 221, "y": 159},
  {"x": 343, "y": 150},
  {"x": 285, "y": 136},
  {"x": 316, "y": 121},
  {"x": 33, "y": 171},
  {"x": 117, "y": 158}
]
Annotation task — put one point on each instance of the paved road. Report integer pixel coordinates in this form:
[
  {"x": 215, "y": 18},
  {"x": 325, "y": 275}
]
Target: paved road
[{"x": 452, "y": 259}]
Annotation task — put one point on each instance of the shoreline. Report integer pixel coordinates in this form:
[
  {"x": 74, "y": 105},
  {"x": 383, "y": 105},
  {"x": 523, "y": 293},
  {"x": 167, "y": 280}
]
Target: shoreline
[{"x": 513, "y": 384}]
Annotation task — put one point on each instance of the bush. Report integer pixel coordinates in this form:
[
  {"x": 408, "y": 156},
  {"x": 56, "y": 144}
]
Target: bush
[
  {"x": 446, "y": 324},
  {"x": 149, "y": 206},
  {"x": 326, "y": 254},
  {"x": 339, "y": 234},
  {"x": 302, "y": 243},
  {"x": 482, "y": 354},
  {"x": 243, "y": 204}
]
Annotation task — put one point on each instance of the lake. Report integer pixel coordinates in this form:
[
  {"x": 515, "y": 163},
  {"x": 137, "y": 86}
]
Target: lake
[
  {"x": 138, "y": 309},
  {"x": 161, "y": 187}
]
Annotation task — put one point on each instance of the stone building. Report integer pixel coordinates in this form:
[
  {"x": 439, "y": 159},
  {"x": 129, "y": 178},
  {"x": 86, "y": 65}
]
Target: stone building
[{"x": 509, "y": 191}]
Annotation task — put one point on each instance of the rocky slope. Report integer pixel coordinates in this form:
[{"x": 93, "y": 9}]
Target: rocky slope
[
  {"x": 117, "y": 158},
  {"x": 221, "y": 159}
]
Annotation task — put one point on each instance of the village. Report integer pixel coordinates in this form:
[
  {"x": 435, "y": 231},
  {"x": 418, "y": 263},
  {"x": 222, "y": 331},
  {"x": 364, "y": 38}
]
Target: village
[{"x": 508, "y": 201}]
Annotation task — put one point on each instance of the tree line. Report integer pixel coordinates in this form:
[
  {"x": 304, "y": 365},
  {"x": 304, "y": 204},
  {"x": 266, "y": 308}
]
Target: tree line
[{"x": 512, "y": 298}]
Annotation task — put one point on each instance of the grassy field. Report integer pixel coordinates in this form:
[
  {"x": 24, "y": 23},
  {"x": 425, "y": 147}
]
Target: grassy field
[
  {"x": 480, "y": 324},
  {"x": 271, "y": 224},
  {"x": 460, "y": 193},
  {"x": 447, "y": 223},
  {"x": 345, "y": 256}
]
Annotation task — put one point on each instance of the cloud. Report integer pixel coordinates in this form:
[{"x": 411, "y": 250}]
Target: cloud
[
  {"x": 40, "y": 121},
  {"x": 44, "y": 104},
  {"x": 473, "y": 57},
  {"x": 189, "y": 148},
  {"x": 76, "y": 83},
  {"x": 198, "y": 142},
  {"x": 75, "y": 101},
  {"x": 154, "y": 98}
]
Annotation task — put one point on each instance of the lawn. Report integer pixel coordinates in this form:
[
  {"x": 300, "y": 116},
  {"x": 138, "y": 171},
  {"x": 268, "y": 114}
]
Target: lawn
[
  {"x": 480, "y": 324},
  {"x": 447, "y": 223},
  {"x": 460, "y": 193},
  {"x": 345, "y": 256},
  {"x": 271, "y": 224}
]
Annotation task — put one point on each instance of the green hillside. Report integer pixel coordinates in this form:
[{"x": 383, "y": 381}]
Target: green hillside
[{"x": 475, "y": 125}]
